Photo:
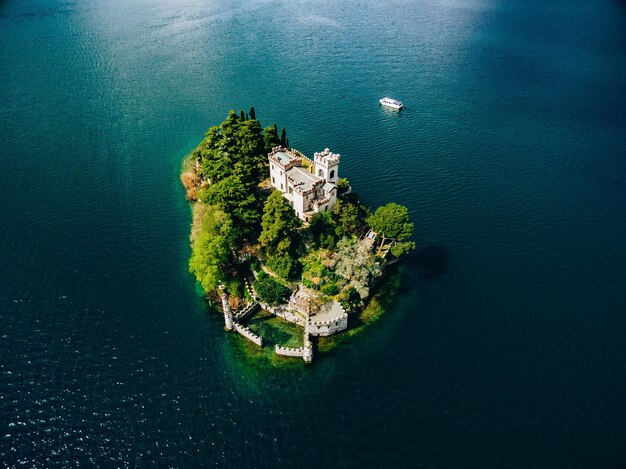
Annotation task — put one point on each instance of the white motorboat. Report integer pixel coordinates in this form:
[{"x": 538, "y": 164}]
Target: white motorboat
[{"x": 392, "y": 103}]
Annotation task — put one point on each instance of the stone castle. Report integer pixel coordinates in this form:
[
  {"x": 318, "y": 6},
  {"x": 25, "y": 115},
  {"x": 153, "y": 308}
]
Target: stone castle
[{"x": 310, "y": 186}]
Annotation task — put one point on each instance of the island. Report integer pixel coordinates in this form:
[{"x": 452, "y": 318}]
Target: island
[{"x": 279, "y": 238}]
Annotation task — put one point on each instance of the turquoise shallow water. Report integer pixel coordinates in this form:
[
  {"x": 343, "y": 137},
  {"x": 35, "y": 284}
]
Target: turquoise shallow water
[{"x": 506, "y": 347}]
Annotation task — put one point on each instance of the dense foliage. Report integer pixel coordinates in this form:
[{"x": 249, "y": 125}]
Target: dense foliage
[
  {"x": 279, "y": 224},
  {"x": 241, "y": 220},
  {"x": 279, "y": 235},
  {"x": 269, "y": 290},
  {"x": 211, "y": 250},
  {"x": 232, "y": 161},
  {"x": 391, "y": 222}
]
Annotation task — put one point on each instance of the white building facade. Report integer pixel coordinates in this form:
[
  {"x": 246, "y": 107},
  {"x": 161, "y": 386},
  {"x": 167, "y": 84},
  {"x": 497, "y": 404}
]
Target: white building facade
[{"x": 310, "y": 186}]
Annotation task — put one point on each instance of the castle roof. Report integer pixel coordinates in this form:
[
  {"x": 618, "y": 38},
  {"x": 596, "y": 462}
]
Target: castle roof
[
  {"x": 282, "y": 157},
  {"x": 302, "y": 179}
]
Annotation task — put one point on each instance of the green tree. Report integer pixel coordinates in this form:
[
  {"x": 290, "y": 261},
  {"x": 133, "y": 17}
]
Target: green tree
[
  {"x": 208, "y": 260},
  {"x": 348, "y": 216},
  {"x": 211, "y": 250},
  {"x": 391, "y": 221},
  {"x": 270, "y": 138},
  {"x": 283, "y": 137},
  {"x": 236, "y": 146},
  {"x": 252, "y": 155},
  {"x": 282, "y": 265},
  {"x": 237, "y": 200},
  {"x": 278, "y": 224},
  {"x": 252, "y": 113},
  {"x": 269, "y": 290},
  {"x": 400, "y": 249},
  {"x": 324, "y": 231},
  {"x": 219, "y": 223}
]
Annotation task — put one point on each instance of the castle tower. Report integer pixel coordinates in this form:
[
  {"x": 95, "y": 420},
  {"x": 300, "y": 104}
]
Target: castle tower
[
  {"x": 228, "y": 315},
  {"x": 307, "y": 351},
  {"x": 327, "y": 165},
  {"x": 281, "y": 160}
]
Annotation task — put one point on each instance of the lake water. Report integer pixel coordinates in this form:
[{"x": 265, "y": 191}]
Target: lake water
[{"x": 506, "y": 347}]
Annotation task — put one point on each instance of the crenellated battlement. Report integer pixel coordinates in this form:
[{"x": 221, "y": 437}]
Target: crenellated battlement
[
  {"x": 327, "y": 158},
  {"x": 248, "y": 334},
  {"x": 289, "y": 351}
]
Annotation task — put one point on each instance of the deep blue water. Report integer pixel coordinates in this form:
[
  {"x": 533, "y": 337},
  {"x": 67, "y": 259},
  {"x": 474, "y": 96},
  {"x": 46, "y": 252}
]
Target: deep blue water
[{"x": 509, "y": 154}]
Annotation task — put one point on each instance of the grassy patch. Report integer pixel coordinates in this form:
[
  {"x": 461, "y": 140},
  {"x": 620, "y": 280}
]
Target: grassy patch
[{"x": 274, "y": 331}]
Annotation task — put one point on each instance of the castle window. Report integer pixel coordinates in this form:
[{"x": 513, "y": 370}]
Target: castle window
[
  {"x": 321, "y": 173},
  {"x": 273, "y": 180},
  {"x": 332, "y": 174},
  {"x": 281, "y": 186}
]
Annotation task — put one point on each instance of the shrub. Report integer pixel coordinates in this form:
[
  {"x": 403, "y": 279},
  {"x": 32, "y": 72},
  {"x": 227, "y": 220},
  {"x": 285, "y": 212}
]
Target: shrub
[
  {"x": 342, "y": 186},
  {"x": 283, "y": 265},
  {"x": 235, "y": 287},
  {"x": 330, "y": 289},
  {"x": 269, "y": 290}
]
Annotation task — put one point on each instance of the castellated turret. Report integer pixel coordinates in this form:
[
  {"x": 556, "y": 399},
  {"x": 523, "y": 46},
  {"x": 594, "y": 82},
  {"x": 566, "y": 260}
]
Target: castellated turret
[
  {"x": 307, "y": 348},
  {"x": 327, "y": 165},
  {"x": 228, "y": 315}
]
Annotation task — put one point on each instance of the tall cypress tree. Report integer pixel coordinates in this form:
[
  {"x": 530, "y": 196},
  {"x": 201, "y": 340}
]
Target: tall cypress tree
[
  {"x": 283, "y": 137},
  {"x": 243, "y": 116},
  {"x": 252, "y": 113}
]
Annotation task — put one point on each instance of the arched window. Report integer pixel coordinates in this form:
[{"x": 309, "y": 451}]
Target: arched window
[
  {"x": 320, "y": 173},
  {"x": 332, "y": 174}
]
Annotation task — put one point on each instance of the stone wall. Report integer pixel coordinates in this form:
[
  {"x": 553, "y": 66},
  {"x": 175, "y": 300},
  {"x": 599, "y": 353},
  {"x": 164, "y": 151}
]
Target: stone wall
[
  {"x": 288, "y": 315},
  {"x": 248, "y": 311},
  {"x": 289, "y": 352},
  {"x": 248, "y": 334},
  {"x": 325, "y": 328}
]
